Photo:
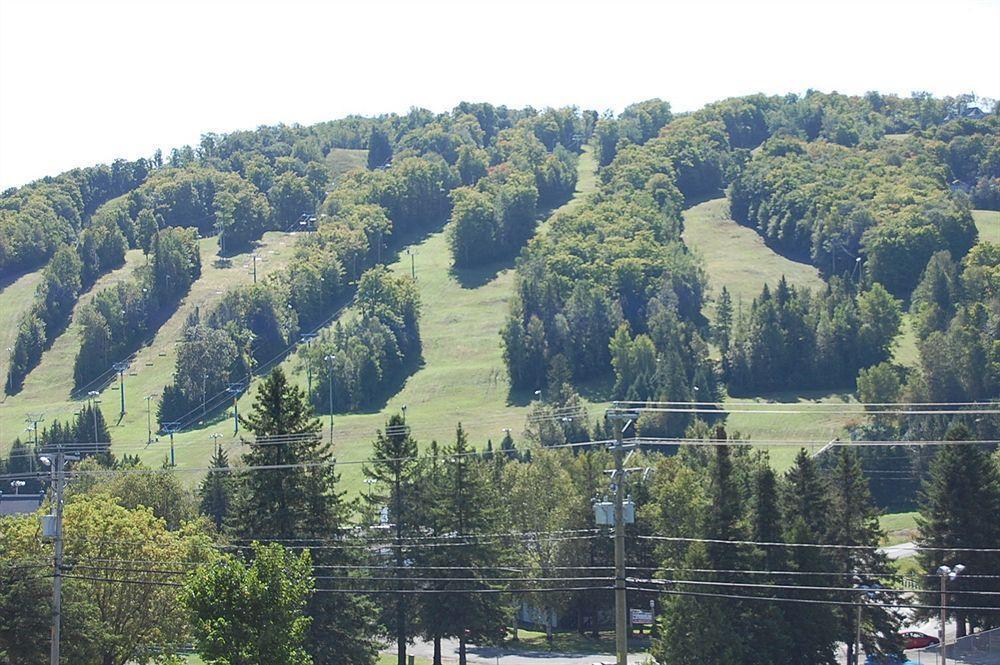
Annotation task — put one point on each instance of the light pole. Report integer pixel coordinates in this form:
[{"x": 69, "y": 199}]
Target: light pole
[
  {"x": 149, "y": 421},
  {"x": 947, "y": 574},
  {"x": 330, "y": 358},
  {"x": 215, "y": 440},
  {"x": 18, "y": 484},
  {"x": 92, "y": 395},
  {"x": 867, "y": 590}
]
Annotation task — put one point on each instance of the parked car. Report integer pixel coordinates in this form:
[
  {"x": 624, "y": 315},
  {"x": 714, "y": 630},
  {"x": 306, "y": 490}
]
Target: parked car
[{"x": 913, "y": 639}]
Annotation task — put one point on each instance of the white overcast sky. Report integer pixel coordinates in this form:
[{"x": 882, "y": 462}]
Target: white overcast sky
[{"x": 84, "y": 82}]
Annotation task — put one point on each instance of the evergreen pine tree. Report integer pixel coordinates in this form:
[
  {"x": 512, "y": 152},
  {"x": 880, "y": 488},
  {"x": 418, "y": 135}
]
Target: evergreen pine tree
[
  {"x": 854, "y": 521},
  {"x": 812, "y": 628},
  {"x": 465, "y": 509},
  {"x": 699, "y": 628},
  {"x": 766, "y": 622},
  {"x": 298, "y": 501},
  {"x": 216, "y": 491},
  {"x": 723, "y": 321},
  {"x": 395, "y": 468},
  {"x": 959, "y": 505}
]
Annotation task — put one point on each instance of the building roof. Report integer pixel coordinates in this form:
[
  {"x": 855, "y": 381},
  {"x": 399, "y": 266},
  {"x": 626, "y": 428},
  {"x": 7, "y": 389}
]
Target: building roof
[{"x": 19, "y": 504}]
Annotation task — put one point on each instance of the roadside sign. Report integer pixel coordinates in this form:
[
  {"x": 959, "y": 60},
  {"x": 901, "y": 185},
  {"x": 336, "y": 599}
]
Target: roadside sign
[{"x": 641, "y": 617}]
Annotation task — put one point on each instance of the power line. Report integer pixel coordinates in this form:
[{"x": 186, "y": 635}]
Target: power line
[
  {"x": 815, "y": 545},
  {"x": 814, "y": 601},
  {"x": 844, "y": 589}
]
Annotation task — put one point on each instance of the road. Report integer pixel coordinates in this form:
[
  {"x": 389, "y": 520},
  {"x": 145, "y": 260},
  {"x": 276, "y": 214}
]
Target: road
[
  {"x": 900, "y": 551},
  {"x": 513, "y": 656}
]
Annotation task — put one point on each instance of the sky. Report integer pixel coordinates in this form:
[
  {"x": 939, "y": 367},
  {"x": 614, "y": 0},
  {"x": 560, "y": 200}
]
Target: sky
[{"x": 85, "y": 82}]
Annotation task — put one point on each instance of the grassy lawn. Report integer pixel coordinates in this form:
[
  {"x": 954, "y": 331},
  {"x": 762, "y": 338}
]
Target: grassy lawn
[
  {"x": 736, "y": 257},
  {"x": 342, "y": 160},
  {"x": 898, "y": 527},
  {"x": 47, "y": 388},
  {"x": 906, "y": 352},
  {"x": 15, "y": 299},
  {"x": 988, "y": 223},
  {"x": 816, "y": 428},
  {"x": 463, "y": 377}
]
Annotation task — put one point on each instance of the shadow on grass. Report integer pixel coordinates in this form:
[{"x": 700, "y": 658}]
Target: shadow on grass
[{"x": 478, "y": 276}]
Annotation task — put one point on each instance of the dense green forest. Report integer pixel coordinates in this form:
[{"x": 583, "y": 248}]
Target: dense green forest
[{"x": 607, "y": 302}]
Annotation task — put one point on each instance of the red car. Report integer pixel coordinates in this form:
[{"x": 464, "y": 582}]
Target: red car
[{"x": 914, "y": 640}]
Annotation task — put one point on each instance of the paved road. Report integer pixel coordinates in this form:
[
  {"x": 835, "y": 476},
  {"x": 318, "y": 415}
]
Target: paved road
[
  {"x": 508, "y": 656},
  {"x": 900, "y": 551}
]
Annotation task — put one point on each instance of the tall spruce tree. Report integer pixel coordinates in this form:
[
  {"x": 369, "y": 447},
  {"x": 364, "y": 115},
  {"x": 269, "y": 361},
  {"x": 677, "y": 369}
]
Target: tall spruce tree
[
  {"x": 854, "y": 522},
  {"x": 465, "y": 510},
  {"x": 394, "y": 467},
  {"x": 379, "y": 148},
  {"x": 959, "y": 505},
  {"x": 296, "y": 499},
  {"x": 698, "y": 629},
  {"x": 812, "y": 627},
  {"x": 766, "y": 624},
  {"x": 215, "y": 493}
]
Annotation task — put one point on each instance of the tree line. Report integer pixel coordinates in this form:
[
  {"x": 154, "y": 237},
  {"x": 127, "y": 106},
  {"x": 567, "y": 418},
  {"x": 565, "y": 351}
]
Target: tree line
[
  {"x": 36, "y": 219},
  {"x": 279, "y": 568},
  {"x": 955, "y": 317},
  {"x": 794, "y": 339},
  {"x": 119, "y": 318},
  {"x": 71, "y": 270},
  {"x": 883, "y": 209},
  {"x": 495, "y": 212},
  {"x": 365, "y": 216}
]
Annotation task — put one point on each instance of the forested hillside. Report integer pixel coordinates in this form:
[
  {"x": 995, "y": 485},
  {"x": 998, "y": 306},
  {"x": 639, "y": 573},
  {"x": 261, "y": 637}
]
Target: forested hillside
[{"x": 385, "y": 347}]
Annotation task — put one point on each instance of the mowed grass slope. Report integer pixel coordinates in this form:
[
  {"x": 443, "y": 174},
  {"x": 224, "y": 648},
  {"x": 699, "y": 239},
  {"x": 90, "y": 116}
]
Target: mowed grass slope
[
  {"x": 47, "y": 388},
  {"x": 988, "y": 224},
  {"x": 15, "y": 299},
  {"x": 462, "y": 378},
  {"x": 736, "y": 257}
]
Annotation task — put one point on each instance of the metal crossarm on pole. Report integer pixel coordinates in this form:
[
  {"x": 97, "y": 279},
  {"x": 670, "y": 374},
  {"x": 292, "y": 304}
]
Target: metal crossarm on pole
[{"x": 627, "y": 417}]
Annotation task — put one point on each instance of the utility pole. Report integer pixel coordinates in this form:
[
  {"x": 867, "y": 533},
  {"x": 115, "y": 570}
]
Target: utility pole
[
  {"x": 170, "y": 428},
  {"x": 618, "y": 486},
  {"x": 34, "y": 419},
  {"x": 234, "y": 390},
  {"x": 947, "y": 573},
  {"x": 120, "y": 368},
  {"x": 93, "y": 409},
  {"x": 330, "y": 359},
  {"x": 255, "y": 267},
  {"x": 53, "y": 529}
]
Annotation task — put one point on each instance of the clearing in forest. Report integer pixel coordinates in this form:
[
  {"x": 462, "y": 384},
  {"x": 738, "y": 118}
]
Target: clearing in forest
[
  {"x": 47, "y": 388},
  {"x": 736, "y": 256}
]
